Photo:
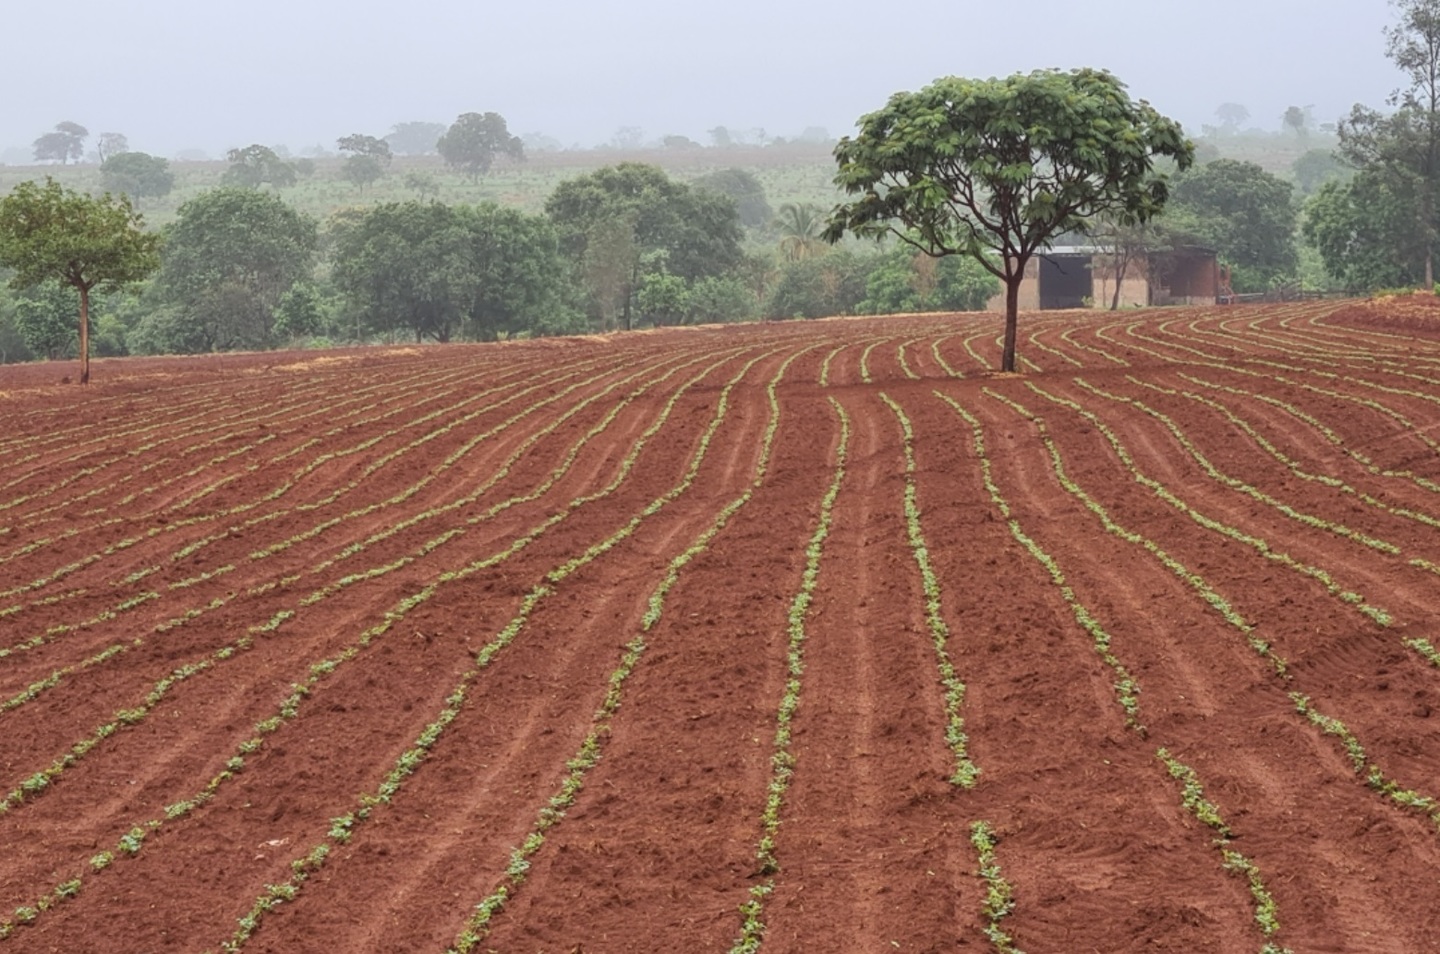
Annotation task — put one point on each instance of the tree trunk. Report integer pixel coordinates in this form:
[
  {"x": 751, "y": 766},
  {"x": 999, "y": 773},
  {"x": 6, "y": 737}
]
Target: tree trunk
[
  {"x": 84, "y": 335},
  {"x": 1122, "y": 265},
  {"x": 1012, "y": 312}
]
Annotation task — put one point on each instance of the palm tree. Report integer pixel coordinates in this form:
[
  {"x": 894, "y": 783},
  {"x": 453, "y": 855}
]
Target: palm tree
[{"x": 800, "y": 225}]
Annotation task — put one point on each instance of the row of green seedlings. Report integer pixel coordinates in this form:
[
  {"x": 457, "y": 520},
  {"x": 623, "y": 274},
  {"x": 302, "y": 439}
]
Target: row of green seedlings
[
  {"x": 555, "y": 475},
  {"x": 865, "y": 358},
  {"x": 1329, "y": 358},
  {"x": 1288, "y": 342},
  {"x": 782, "y": 759},
  {"x": 940, "y": 358},
  {"x": 1330, "y": 435},
  {"x": 905, "y": 368},
  {"x": 1292, "y": 344},
  {"x": 162, "y": 401},
  {"x": 40, "y": 781},
  {"x": 1249, "y": 490},
  {"x": 1220, "y": 362},
  {"x": 343, "y": 827},
  {"x": 55, "y": 677},
  {"x": 454, "y": 532},
  {"x": 282, "y": 616},
  {"x": 1409, "y": 426},
  {"x": 1068, "y": 334},
  {"x": 825, "y": 364},
  {"x": 68, "y": 436},
  {"x": 226, "y": 424},
  {"x": 117, "y": 513},
  {"x": 64, "y": 510},
  {"x": 966, "y": 772},
  {"x": 376, "y": 464},
  {"x": 225, "y": 427},
  {"x": 1374, "y": 776},
  {"x": 85, "y": 449},
  {"x": 1296, "y": 468},
  {"x": 999, "y": 898},
  {"x": 193, "y": 547},
  {"x": 1034, "y": 340},
  {"x": 133, "y": 839},
  {"x": 1192, "y": 796},
  {"x": 401, "y": 496},
  {"x": 477, "y": 926},
  {"x": 999, "y": 901},
  {"x": 1125, "y": 685},
  {"x": 177, "y": 525},
  {"x": 1351, "y": 598}
]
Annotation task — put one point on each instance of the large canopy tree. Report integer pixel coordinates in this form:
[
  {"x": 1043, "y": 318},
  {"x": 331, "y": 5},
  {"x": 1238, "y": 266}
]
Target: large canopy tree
[
  {"x": 619, "y": 213},
  {"x": 474, "y": 140},
  {"x": 137, "y": 175},
  {"x": 51, "y": 233},
  {"x": 1242, "y": 211},
  {"x": 230, "y": 256},
  {"x": 441, "y": 271},
  {"x": 997, "y": 168}
]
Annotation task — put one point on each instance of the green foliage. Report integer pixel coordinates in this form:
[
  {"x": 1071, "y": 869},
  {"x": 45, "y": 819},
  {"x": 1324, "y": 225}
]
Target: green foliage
[
  {"x": 45, "y": 318},
  {"x": 440, "y": 271},
  {"x": 363, "y": 170},
  {"x": 1242, "y": 211},
  {"x": 904, "y": 280},
  {"x": 662, "y": 298},
  {"x": 800, "y": 225},
  {"x": 473, "y": 142},
  {"x": 230, "y": 256},
  {"x": 745, "y": 190},
  {"x": 137, "y": 175},
  {"x": 698, "y": 230},
  {"x": 1366, "y": 233},
  {"x": 609, "y": 219},
  {"x": 996, "y": 168},
  {"x": 65, "y": 144},
  {"x": 52, "y": 234},
  {"x": 258, "y": 165},
  {"x": 834, "y": 284},
  {"x": 1317, "y": 167},
  {"x": 368, "y": 158},
  {"x": 301, "y": 312},
  {"x": 714, "y": 300}
]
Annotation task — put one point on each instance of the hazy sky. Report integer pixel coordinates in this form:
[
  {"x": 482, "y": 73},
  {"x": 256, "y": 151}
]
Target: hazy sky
[{"x": 173, "y": 75}]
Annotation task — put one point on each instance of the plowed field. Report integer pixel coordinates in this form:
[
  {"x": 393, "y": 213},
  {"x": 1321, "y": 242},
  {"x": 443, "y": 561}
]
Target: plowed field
[{"x": 797, "y": 637}]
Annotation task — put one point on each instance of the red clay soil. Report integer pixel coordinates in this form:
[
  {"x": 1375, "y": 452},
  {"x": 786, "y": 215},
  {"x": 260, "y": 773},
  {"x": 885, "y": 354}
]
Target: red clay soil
[{"x": 242, "y": 597}]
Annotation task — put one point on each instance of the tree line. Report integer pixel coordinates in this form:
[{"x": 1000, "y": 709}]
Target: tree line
[{"x": 623, "y": 247}]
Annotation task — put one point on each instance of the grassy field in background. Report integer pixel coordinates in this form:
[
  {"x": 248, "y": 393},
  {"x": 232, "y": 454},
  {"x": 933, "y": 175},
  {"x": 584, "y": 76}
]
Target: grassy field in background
[
  {"x": 789, "y": 173},
  {"x": 800, "y": 173}
]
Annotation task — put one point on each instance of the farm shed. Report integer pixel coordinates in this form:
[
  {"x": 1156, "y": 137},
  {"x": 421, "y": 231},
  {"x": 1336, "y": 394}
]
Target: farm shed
[{"x": 1083, "y": 276}]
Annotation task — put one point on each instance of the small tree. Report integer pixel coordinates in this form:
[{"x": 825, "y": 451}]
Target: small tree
[
  {"x": 50, "y": 233},
  {"x": 64, "y": 144},
  {"x": 367, "y": 160},
  {"x": 256, "y": 165},
  {"x": 996, "y": 168},
  {"x": 474, "y": 140},
  {"x": 137, "y": 175}
]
